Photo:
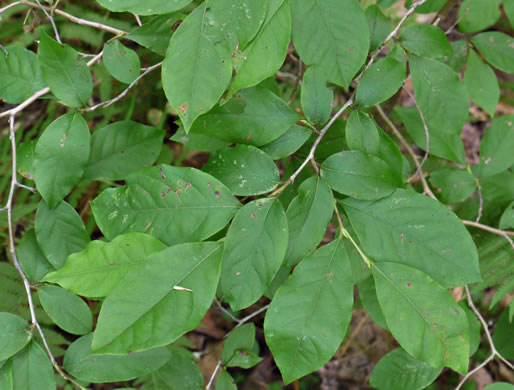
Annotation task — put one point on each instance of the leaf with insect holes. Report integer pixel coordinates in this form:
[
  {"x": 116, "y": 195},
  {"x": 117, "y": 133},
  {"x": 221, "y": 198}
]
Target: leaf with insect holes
[{"x": 173, "y": 204}]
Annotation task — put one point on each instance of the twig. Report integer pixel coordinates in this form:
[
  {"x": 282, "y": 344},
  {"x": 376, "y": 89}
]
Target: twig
[
  {"x": 494, "y": 351},
  {"x": 296, "y": 83},
  {"x": 74, "y": 19},
  {"x": 40, "y": 93},
  {"x": 310, "y": 156},
  {"x": 52, "y": 21},
  {"x": 505, "y": 234},
  {"x": 396, "y": 132},
  {"x": 355, "y": 332},
  {"x": 12, "y": 251},
  {"x": 481, "y": 201},
  {"x": 4, "y": 50},
  {"x": 419, "y": 170},
  {"x": 211, "y": 379},
  {"x": 138, "y": 20},
  {"x": 121, "y": 95}
]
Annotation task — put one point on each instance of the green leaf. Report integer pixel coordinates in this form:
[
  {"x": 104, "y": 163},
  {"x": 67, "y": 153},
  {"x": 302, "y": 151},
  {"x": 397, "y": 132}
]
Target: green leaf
[
  {"x": 497, "y": 48},
  {"x": 508, "y": 7},
  {"x": 309, "y": 314},
  {"x": 500, "y": 386},
  {"x": 266, "y": 53},
  {"x": 316, "y": 98},
  {"x": 240, "y": 20},
  {"x": 308, "y": 215},
  {"x": 499, "y": 187},
  {"x": 287, "y": 143},
  {"x": 173, "y": 204},
  {"x": 196, "y": 70},
  {"x": 359, "y": 175},
  {"x": 25, "y": 159},
  {"x": 14, "y": 334},
  {"x": 6, "y": 375},
  {"x": 454, "y": 185},
  {"x": 66, "y": 309},
  {"x": 20, "y": 75},
  {"x": 60, "y": 232},
  {"x": 442, "y": 144},
  {"x": 426, "y": 40},
  {"x": 121, "y": 148},
  {"x": 180, "y": 372},
  {"x": 379, "y": 26},
  {"x": 502, "y": 336},
  {"x": 253, "y": 116},
  {"x": 177, "y": 284},
  {"x": 333, "y": 35},
  {"x": 240, "y": 348},
  {"x": 442, "y": 98},
  {"x": 85, "y": 366},
  {"x": 239, "y": 339},
  {"x": 497, "y": 146},
  {"x": 32, "y": 369},
  {"x": 399, "y": 370},
  {"x": 62, "y": 152},
  {"x": 98, "y": 269},
  {"x": 147, "y": 7},
  {"x": 507, "y": 218},
  {"x": 244, "y": 169},
  {"x": 121, "y": 62},
  {"x": 459, "y": 56},
  {"x": 422, "y": 316},
  {"x": 481, "y": 83},
  {"x": 156, "y": 33},
  {"x": 362, "y": 133},
  {"x": 480, "y": 15},
  {"x": 418, "y": 231},
  {"x": 31, "y": 258},
  {"x": 226, "y": 382},
  {"x": 474, "y": 328},
  {"x": 69, "y": 79},
  {"x": 255, "y": 247},
  {"x": 390, "y": 153},
  {"x": 381, "y": 81}
]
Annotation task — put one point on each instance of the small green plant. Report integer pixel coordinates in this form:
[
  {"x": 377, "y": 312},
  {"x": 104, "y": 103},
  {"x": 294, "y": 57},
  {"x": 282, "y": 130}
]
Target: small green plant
[{"x": 133, "y": 241}]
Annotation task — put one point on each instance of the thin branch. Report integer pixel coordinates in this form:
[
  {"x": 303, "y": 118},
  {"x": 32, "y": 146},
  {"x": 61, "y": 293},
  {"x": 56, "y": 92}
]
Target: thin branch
[
  {"x": 40, "y": 93},
  {"x": 122, "y": 95},
  {"x": 138, "y": 20},
  {"x": 211, "y": 379},
  {"x": 481, "y": 201},
  {"x": 419, "y": 170},
  {"x": 4, "y": 50},
  {"x": 396, "y": 132},
  {"x": 74, "y": 19},
  {"x": 12, "y": 251},
  {"x": 52, "y": 21},
  {"x": 503, "y": 233},
  {"x": 494, "y": 351}
]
